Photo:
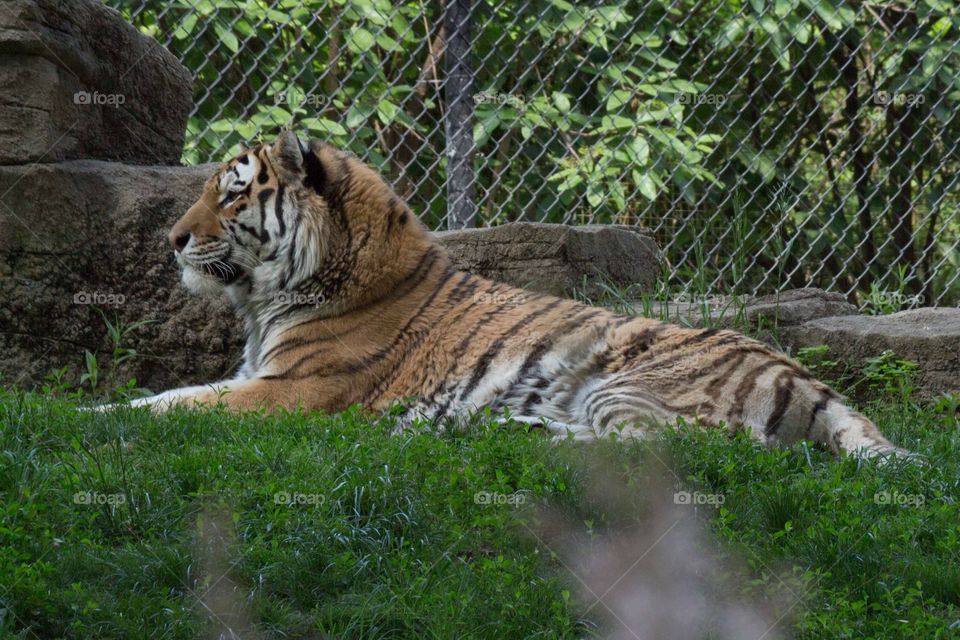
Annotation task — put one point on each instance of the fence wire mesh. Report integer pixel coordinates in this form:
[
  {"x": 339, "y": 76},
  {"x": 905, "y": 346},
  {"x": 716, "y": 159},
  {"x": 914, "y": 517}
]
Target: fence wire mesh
[{"x": 765, "y": 143}]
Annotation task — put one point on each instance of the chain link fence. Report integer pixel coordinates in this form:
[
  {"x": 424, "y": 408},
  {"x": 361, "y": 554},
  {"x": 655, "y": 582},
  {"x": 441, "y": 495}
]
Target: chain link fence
[{"x": 766, "y": 144}]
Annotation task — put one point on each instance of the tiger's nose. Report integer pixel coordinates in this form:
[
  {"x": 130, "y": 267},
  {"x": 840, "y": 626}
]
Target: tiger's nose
[{"x": 178, "y": 239}]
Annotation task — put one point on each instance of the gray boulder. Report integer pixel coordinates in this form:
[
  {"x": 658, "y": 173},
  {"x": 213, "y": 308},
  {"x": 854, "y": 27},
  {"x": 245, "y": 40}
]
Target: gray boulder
[
  {"x": 80, "y": 82},
  {"x": 929, "y": 336},
  {"x": 786, "y": 308},
  {"x": 84, "y": 235},
  {"x": 557, "y": 258}
]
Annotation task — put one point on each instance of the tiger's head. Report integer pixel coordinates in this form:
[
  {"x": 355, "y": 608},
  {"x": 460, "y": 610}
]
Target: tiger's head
[{"x": 297, "y": 223}]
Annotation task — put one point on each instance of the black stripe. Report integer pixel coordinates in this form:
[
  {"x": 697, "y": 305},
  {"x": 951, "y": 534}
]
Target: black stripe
[
  {"x": 248, "y": 229},
  {"x": 532, "y": 398},
  {"x": 674, "y": 353},
  {"x": 747, "y": 384},
  {"x": 545, "y": 343},
  {"x": 461, "y": 348},
  {"x": 316, "y": 175},
  {"x": 292, "y": 254},
  {"x": 715, "y": 385},
  {"x": 391, "y": 212},
  {"x": 383, "y": 353},
  {"x": 484, "y": 362},
  {"x": 781, "y": 402},
  {"x": 278, "y": 210},
  {"x": 263, "y": 175},
  {"x": 641, "y": 342},
  {"x": 821, "y": 405},
  {"x": 262, "y": 197}
]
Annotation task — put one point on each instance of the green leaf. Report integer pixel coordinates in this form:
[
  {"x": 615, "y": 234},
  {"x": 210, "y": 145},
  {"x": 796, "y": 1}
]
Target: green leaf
[
  {"x": 645, "y": 185},
  {"x": 639, "y": 150},
  {"x": 356, "y": 117},
  {"x": 617, "y": 194},
  {"x": 485, "y": 127},
  {"x": 835, "y": 17},
  {"x": 387, "y": 111},
  {"x": 732, "y": 32},
  {"x": 227, "y": 38},
  {"x": 387, "y": 43},
  {"x": 324, "y": 125},
  {"x": 940, "y": 6},
  {"x": 647, "y": 39},
  {"x": 360, "y": 40},
  {"x": 185, "y": 27},
  {"x": 618, "y": 100},
  {"x": 594, "y": 194},
  {"x": 782, "y": 8},
  {"x": 616, "y": 122}
]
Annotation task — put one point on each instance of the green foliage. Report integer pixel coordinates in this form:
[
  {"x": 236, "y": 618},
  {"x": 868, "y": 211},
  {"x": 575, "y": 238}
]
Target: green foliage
[
  {"x": 891, "y": 376},
  {"x": 816, "y": 360},
  {"x": 96, "y": 382}
]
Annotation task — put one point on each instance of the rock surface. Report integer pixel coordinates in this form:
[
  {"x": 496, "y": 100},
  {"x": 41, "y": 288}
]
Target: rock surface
[
  {"x": 83, "y": 235},
  {"x": 786, "y": 308},
  {"x": 87, "y": 234},
  {"x": 928, "y": 336},
  {"x": 78, "y": 81},
  {"x": 557, "y": 258}
]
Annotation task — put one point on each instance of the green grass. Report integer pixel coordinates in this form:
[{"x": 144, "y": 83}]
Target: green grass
[{"x": 393, "y": 544}]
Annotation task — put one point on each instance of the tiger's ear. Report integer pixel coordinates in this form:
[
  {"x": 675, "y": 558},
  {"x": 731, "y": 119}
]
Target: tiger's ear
[{"x": 287, "y": 154}]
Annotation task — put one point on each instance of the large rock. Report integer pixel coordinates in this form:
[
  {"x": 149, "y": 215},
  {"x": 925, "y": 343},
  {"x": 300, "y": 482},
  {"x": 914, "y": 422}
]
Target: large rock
[
  {"x": 78, "y": 81},
  {"x": 557, "y": 258},
  {"x": 930, "y": 337},
  {"x": 83, "y": 235},
  {"x": 786, "y": 308}
]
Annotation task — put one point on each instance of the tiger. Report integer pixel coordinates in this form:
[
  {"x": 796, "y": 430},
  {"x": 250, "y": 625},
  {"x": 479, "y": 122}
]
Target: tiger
[{"x": 347, "y": 299}]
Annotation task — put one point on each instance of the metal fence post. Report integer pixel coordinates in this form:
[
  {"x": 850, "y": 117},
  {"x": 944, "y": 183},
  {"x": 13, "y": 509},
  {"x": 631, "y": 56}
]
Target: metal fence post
[{"x": 458, "y": 119}]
